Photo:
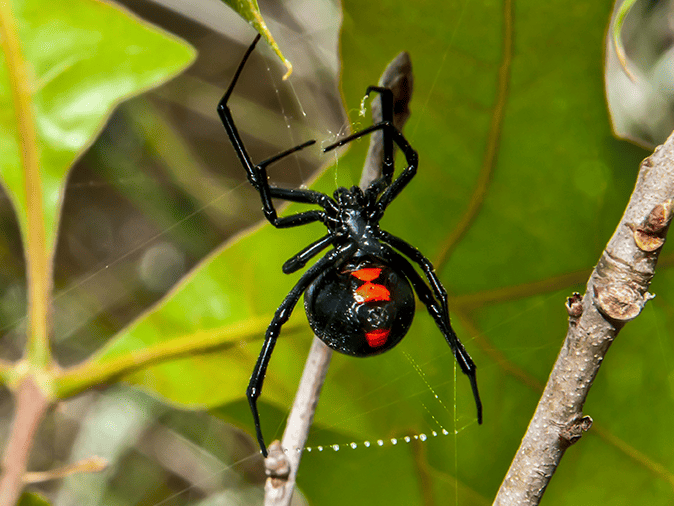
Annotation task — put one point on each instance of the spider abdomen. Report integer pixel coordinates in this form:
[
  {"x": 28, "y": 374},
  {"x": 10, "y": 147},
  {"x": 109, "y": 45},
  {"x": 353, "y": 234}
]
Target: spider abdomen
[{"x": 362, "y": 308}]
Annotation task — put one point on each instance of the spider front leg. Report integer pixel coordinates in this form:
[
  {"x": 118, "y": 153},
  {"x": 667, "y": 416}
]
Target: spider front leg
[
  {"x": 405, "y": 177},
  {"x": 388, "y": 161},
  {"x": 300, "y": 259},
  {"x": 257, "y": 174},
  {"x": 441, "y": 318},
  {"x": 280, "y": 317}
]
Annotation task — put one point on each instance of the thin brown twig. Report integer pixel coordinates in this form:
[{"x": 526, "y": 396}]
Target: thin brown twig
[
  {"x": 616, "y": 293},
  {"x": 31, "y": 405},
  {"x": 93, "y": 464}
]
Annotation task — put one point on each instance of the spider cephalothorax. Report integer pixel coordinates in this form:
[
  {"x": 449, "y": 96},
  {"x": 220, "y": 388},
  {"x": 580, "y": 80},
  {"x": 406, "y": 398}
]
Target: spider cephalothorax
[{"x": 359, "y": 297}]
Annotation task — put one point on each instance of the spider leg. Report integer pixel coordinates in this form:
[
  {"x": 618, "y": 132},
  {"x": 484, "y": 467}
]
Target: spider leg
[
  {"x": 416, "y": 256},
  {"x": 257, "y": 174},
  {"x": 399, "y": 184},
  {"x": 405, "y": 177},
  {"x": 304, "y": 197},
  {"x": 280, "y": 317},
  {"x": 295, "y": 220},
  {"x": 441, "y": 320},
  {"x": 263, "y": 164},
  {"x": 300, "y": 260}
]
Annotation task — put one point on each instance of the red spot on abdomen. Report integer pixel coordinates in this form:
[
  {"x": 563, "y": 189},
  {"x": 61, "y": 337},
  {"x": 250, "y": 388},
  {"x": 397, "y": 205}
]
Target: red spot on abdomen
[
  {"x": 370, "y": 292},
  {"x": 367, "y": 274},
  {"x": 377, "y": 338}
]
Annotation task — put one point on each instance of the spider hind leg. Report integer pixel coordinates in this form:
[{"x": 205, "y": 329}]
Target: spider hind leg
[
  {"x": 438, "y": 312},
  {"x": 280, "y": 318}
]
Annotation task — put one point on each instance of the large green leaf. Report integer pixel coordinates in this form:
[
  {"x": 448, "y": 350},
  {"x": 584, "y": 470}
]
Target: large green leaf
[
  {"x": 517, "y": 155},
  {"x": 73, "y": 62}
]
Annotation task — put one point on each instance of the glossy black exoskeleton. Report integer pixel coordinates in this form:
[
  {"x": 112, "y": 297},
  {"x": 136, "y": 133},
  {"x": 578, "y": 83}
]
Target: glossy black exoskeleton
[
  {"x": 358, "y": 296},
  {"x": 362, "y": 308}
]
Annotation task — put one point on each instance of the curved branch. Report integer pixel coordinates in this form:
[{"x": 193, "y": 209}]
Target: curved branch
[{"x": 616, "y": 293}]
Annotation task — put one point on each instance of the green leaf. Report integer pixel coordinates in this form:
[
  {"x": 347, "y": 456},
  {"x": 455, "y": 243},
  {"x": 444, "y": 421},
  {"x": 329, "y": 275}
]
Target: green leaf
[
  {"x": 208, "y": 312},
  {"x": 250, "y": 11},
  {"x": 64, "y": 67},
  {"x": 519, "y": 187},
  {"x": 72, "y": 62},
  {"x": 32, "y": 499}
]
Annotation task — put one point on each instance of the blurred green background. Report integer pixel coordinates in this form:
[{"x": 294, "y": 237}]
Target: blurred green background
[{"x": 521, "y": 183}]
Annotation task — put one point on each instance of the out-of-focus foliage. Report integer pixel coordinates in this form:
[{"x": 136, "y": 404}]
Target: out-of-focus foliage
[
  {"x": 516, "y": 152},
  {"x": 508, "y": 95},
  {"x": 75, "y": 61},
  {"x": 639, "y": 73}
]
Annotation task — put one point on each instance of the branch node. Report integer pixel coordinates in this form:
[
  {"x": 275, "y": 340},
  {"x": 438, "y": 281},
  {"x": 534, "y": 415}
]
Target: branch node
[
  {"x": 619, "y": 289},
  {"x": 650, "y": 235},
  {"x": 276, "y": 465},
  {"x": 277, "y": 468},
  {"x": 619, "y": 302},
  {"x": 574, "y": 430},
  {"x": 574, "y": 306}
]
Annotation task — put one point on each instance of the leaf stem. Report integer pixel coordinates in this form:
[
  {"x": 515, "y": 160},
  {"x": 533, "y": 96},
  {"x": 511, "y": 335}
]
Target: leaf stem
[
  {"x": 100, "y": 370},
  {"x": 33, "y": 226}
]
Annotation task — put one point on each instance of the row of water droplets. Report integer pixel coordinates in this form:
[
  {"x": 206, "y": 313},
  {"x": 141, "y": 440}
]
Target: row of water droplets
[
  {"x": 379, "y": 443},
  {"x": 394, "y": 441}
]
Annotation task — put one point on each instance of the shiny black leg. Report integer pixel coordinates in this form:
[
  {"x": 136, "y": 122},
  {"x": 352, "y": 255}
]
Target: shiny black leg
[
  {"x": 300, "y": 260},
  {"x": 257, "y": 174},
  {"x": 405, "y": 177},
  {"x": 386, "y": 98},
  {"x": 416, "y": 256},
  {"x": 280, "y": 317},
  {"x": 436, "y": 310}
]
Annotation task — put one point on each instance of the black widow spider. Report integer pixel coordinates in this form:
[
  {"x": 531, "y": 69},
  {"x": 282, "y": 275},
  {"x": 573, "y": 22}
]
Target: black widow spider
[{"x": 357, "y": 297}]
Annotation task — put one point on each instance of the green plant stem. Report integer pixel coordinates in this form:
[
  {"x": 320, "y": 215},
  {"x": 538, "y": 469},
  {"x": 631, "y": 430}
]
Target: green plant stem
[
  {"x": 37, "y": 255},
  {"x": 100, "y": 370}
]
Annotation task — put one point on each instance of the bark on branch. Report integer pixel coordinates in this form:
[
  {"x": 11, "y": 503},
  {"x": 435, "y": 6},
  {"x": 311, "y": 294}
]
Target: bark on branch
[{"x": 616, "y": 293}]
